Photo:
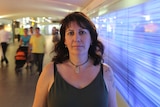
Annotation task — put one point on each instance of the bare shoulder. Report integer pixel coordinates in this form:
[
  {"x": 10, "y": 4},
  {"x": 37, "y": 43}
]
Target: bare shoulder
[
  {"x": 48, "y": 69},
  {"x": 110, "y": 84},
  {"x": 108, "y": 73},
  {"x": 47, "y": 75},
  {"x": 48, "y": 66}
]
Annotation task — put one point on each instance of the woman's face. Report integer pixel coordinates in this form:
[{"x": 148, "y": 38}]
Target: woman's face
[
  {"x": 77, "y": 39},
  {"x": 25, "y": 32}
]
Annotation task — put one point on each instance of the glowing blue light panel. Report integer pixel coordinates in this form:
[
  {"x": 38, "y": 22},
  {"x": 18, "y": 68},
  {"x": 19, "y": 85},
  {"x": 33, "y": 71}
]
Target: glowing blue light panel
[{"x": 132, "y": 48}]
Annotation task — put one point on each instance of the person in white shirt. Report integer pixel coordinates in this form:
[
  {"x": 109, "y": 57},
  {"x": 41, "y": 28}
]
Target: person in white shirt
[
  {"x": 31, "y": 31},
  {"x": 4, "y": 40}
]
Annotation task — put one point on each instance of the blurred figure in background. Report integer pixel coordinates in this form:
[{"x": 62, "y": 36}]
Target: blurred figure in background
[
  {"x": 24, "y": 42},
  {"x": 17, "y": 35},
  {"x": 4, "y": 40},
  {"x": 37, "y": 44},
  {"x": 31, "y": 31},
  {"x": 55, "y": 35}
]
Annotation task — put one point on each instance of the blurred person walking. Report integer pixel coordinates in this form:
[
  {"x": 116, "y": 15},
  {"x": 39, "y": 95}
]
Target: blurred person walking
[
  {"x": 31, "y": 31},
  {"x": 37, "y": 44},
  {"x": 24, "y": 43},
  {"x": 5, "y": 37},
  {"x": 55, "y": 35}
]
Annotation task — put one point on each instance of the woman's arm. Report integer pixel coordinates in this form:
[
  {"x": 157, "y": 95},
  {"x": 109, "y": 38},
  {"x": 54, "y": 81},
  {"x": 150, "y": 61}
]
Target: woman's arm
[
  {"x": 44, "y": 83},
  {"x": 110, "y": 84}
]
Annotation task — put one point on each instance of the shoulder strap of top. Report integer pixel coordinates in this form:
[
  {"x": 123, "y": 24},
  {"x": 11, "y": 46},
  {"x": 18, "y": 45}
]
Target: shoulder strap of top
[
  {"x": 55, "y": 70},
  {"x": 103, "y": 77},
  {"x": 101, "y": 68}
]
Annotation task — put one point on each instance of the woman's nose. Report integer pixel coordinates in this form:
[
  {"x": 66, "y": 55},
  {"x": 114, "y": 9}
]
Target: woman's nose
[{"x": 76, "y": 37}]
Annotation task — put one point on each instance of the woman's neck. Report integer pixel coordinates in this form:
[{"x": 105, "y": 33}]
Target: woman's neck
[{"x": 77, "y": 60}]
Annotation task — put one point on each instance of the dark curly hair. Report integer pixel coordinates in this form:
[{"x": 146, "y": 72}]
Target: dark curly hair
[{"x": 96, "y": 48}]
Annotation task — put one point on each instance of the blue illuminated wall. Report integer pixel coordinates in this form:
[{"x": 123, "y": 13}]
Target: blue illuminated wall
[{"x": 132, "y": 48}]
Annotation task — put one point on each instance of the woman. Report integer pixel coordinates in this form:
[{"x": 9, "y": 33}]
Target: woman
[
  {"x": 76, "y": 77},
  {"x": 23, "y": 46},
  {"x": 24, "y": 40}
]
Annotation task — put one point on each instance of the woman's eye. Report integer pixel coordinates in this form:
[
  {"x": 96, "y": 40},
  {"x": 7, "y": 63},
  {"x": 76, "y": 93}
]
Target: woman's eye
[
  {"x": 82, "y": 32},
  {"x": 70, "y": 33}
]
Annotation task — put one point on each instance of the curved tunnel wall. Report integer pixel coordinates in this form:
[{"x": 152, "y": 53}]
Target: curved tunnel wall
[{"x": 132, "y": 48}]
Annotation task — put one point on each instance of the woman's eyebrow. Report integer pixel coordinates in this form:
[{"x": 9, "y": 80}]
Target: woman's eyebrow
[{"x": 69, "y": 30}]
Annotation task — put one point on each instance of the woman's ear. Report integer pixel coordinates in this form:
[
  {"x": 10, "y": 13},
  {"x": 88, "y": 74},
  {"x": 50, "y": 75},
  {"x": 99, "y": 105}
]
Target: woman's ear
[{"x": 65, "y": 44}]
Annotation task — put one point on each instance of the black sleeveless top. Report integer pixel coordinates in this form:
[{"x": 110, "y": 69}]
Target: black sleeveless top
[{"x": 62, "y": 94}]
